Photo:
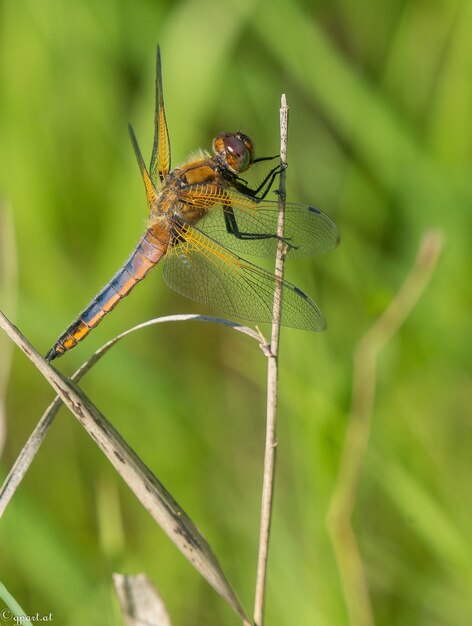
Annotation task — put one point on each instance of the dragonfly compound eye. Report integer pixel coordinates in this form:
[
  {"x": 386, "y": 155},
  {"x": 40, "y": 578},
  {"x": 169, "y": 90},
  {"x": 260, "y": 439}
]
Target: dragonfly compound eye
[{"x": 236, "y": 150}]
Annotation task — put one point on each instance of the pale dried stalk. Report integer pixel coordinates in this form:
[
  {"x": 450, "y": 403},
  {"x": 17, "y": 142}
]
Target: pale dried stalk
[
  {"x": 140, "y": 602},
  {"x": 359, "y": 425},
  {"x": 35, "y": 440},
  {"x": 147, "y": 488},
  {"x": 272, "y": 378}
]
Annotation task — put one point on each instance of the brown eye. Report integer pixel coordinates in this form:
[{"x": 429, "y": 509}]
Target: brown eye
[
  {"x": 234, "y": 150},
  {"x": 235, "y": 146},
  {"x": 247, "y": 141}
]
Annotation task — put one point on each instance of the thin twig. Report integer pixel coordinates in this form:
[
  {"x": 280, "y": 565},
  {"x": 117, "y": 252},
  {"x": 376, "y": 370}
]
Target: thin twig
[
  {"x": 272, "y": 377},
  {"x": 359, "y": 425}
]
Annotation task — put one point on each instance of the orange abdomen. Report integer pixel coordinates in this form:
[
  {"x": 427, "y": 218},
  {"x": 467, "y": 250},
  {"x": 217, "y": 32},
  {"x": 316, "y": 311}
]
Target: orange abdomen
[{"x": 148, "y": 252}]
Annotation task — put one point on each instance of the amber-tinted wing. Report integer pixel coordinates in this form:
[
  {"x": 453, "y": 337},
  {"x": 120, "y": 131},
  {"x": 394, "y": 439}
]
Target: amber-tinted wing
[
  {"x": 200, "y": 269},
  {"x": 151, "y": 192},
  {"x": 160, "y": 158},
  {"x": 307, "y": 229}
]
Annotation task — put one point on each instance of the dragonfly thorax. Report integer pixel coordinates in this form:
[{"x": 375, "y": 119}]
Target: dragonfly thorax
[{"x": 233, "y": 151}]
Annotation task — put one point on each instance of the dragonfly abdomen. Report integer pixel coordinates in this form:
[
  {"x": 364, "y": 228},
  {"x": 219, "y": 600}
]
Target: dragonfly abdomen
[{"x": 147, "y": 253}]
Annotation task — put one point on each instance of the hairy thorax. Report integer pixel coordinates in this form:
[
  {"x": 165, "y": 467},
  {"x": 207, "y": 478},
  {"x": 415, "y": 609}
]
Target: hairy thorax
[{"x": 186, "y": 192}]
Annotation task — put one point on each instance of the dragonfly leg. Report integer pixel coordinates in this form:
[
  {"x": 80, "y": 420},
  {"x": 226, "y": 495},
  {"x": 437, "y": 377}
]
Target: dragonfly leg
[
  {"x": 260, "y": 193},
  {"x": 233, "y": 228}
]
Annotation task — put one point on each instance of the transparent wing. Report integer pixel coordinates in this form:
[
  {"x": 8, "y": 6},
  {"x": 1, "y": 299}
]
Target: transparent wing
[
  {"x": 198, "y": 268},
  {"x": 160, "y": 158},
  {"x": 307, "y": 229}
]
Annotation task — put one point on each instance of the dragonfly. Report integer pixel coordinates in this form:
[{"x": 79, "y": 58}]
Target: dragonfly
[{"x": 202, "y": 216}]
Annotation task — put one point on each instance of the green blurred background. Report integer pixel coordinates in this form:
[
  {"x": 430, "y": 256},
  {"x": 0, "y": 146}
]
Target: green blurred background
[{"x": 380, "y": 97}]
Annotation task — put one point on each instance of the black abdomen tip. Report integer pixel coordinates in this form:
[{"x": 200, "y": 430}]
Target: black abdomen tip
[{"x": 52, "y": 354}]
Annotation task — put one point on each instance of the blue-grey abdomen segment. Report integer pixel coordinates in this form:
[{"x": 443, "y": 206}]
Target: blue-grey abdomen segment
[{"x": 148, "y": 252}]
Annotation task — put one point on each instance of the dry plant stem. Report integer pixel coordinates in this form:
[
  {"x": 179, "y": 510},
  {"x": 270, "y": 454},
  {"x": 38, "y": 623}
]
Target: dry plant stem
[
  {"x": 147, "y": 488},
  {"x": 140, "y": 601},
  {"x": 359, "y": 425},
  {"x": 31, "y": 447},
  {"x": 272, "y": 378}
]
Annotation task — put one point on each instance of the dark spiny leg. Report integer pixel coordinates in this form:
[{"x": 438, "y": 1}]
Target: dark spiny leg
[
  {"x": 233, "y": 228},
  {"x": 265, "y": 159},
  {"x": 260, "y": 193}
]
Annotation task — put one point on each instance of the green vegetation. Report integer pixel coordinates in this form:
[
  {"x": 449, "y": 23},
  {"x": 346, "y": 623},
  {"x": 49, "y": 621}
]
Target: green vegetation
[{"x": 380, "y": 138}]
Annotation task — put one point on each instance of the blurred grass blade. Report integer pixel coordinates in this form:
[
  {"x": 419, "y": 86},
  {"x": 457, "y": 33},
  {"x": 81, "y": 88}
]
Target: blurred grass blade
[
  {"x": 140, "y": 602},
  {"x": 345, "y": 493},
  {"x": 150, "y": 492},
  {"x": 8, "y": 299},
  {"x": 11, "y": 603},
  {"x": 232, "y": 18},
  {"x": 434, "y": 525},
  {"x": 336, "y": 76}
]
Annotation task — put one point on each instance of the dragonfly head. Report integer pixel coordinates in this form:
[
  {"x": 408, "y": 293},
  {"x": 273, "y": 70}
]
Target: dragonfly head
[{"x": 234, "y": 151}]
